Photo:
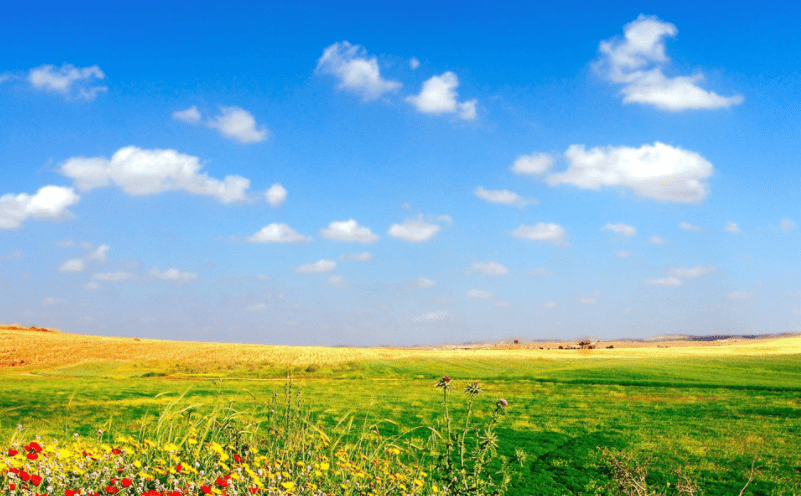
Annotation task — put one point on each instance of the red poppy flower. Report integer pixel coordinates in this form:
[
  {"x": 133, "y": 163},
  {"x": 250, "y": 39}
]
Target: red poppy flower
[
  {"x": 221, "y": 482},
  {"x": 174, "y": 493},
  {"x": 25, "y": 476},
  {"x": 12, "y": 486},
  {"x": 179, "y": 467},
  {"x": 253, "y": 490},
  {"x": 116, "y": 451},
  {"x": 238, "y": 458},
  {"x": 96, "y": 494},
  {"x": 32, "y": 456},
  {"x": 13, "y": 470},
  {"x": 12, "y": 452},
  {"x": 70, "y": 492},
  {"x": 112, "y": 489},
  {"x": 114, "y": 480},
  {"x": 36, "y": 480},
  {"x": 34, "y": 446},
  {"x": 126, "y": 482},
  {"x": 205, "y": 489}
]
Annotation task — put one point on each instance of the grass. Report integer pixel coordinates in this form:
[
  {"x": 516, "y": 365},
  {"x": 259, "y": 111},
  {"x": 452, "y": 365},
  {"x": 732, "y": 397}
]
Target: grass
[{"x": 710, "y": 411}]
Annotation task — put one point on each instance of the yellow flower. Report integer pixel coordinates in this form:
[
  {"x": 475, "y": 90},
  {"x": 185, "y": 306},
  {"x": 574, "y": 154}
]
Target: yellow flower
[
  {"x": 324, "y": 466},
  {"x": 289, "y": 485}
]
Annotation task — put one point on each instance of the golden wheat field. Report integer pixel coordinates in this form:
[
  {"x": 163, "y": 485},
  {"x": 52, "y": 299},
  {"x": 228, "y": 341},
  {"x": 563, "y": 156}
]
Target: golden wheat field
[{"x": 39, "y": 347}]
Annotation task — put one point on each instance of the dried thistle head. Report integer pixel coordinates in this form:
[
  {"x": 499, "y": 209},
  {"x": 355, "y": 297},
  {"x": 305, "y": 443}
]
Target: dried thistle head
[
  {"x": 444, "y": 383},
  {"x": 473, "y": 388}
]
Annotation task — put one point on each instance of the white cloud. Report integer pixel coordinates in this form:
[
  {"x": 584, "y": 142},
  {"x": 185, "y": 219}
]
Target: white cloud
[
  {"x": 348, "y": 230},
  {"x": 317, "y": 267},
  {"x": 434, "y": 316},
  {"x": 239, "y": 125},
  {"x": 480, "y": 294},
  {"x": 99, "y": 254},
  {"x": 68, "y": 80},
  {"x": 690, "y": 227},
  {"x": 656, "y": 240},
  {"x": 665, "y": 281},
  {"x": 488, "y": 269},
  {"x": 414, "y": 63},
  {"x": 142, "y": 172},
  {"x": 118, "y": 276},
  {"x": 637, "y": 61},
  {"x": 503, "y": 196},
  {"x": 787, "y": 225},
  {"x": 740, "y": 295},
  {"x": 693, "y": 272},
  {"x": 624, "y": 254},
  {"x": 438, "y": 96},
  {"x": 73, "y": 265},
  {"x": 13, "y": 255},
  {"x": 587, "y": 301},
  {"x": 173, "y": 275},
  {"x": 50, "y": 202},
  {"x": 49, "y": 301},
  {"x": 422, "y": 282},
  {"x": 532, "y": 165},
  {"x": 276, "y": 195},
  {"x": 414, "y": 230},
  {"x": 91, "y": 285},
  {"x": 357, "y": 257},
  {"x": 337, "y": 281},
  {"x": 657, "y": 171},
  {"x": 278, "y": 233},
  {"x": 732, "y": 227},
  {"x": 190, "y": 115},
  {"x": 355, "y": 71},
  {"x": 550, "y": 232},
  {"x": 620, "y": 228},
  {"x": 549, "y": 304},
  {"x": 257, "y": 308},
  {"x": 539, "y": 272},
  {"x": 502, "y": 304}
]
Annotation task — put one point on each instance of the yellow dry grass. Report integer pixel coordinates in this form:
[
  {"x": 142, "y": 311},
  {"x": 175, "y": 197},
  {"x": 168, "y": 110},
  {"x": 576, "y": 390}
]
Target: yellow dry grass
[{"x": 37, "y": 347}]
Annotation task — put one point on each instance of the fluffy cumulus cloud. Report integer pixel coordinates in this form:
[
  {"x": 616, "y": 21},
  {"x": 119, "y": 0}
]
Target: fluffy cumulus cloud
[
  {"x": 142, "y": 172},
  {"x": 69, "y": 81},
  {"x": 692, "y": 272},
  {"x": 278, "y": 233},
  {"x": 438, "y": 96},
  {"x": 414, "y": 230},
  {"x": 49, "y": 203},
  {"x": 118, "y": 276},
  {"x": 657, "y": 171},
  {"x": 348, "y": 230},
  {"x": 355, "y": 71},
  {"x": 686, "y": 226},
  {"x": 740, "y": 295},
  {"x": 72, "y": 265},
  {"x": 480, "y": 294},
  {"x": 503, "y": 196},
  {"x": 423, "y": 282},
  {"x": 172, "y": 275},
  {"x": 620, "y": 228},
  {"x": 275, "y": 195},
  {"x": 533, "y": 165},
  {"x": 234, "y": 123},
  {"x": 664, "y": 281},
  {"x": 637, "y": 61},
  {"x": 787, "y": 225},
  {"x": 658, "y": 240},
  {"x": 732, "y": 227},
  {"x": 239, "y": 125},
  {"x": 679, "y": 274},
  {"x": 488, "y": 269},
  {"x": 357, "y": 257},
  {"x": 317, "y": 267},
  {"x": 190, "y": 115},
  {"x": 542, "y": 231}
]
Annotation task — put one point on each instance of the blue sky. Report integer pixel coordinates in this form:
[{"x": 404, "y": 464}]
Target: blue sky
[{"x": 304, "y": 173}]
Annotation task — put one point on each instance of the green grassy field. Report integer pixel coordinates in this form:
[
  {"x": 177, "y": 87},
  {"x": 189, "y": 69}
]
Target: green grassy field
[{"x": 712, "y": 416}]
